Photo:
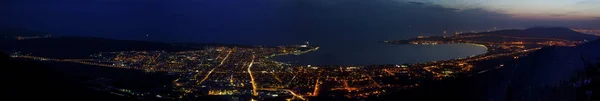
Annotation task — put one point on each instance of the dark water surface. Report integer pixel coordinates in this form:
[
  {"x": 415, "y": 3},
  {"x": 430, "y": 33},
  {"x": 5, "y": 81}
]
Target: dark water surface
[{"x": 382, "y": 53}]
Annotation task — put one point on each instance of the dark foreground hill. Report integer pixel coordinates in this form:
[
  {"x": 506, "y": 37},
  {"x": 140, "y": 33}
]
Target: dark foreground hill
[
  {"x": 27, "y": 80},
  {"x": 557, "y": 73},
  {"x": 549, "y": 74}
]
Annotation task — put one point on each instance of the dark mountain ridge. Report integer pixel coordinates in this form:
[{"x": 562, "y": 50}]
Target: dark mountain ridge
[
  {"x": 539, "y": 34},
  {"x": 82, "y": 47},
  {"x": 546, "y": 32},
  {"x": 13, "y": 32}
]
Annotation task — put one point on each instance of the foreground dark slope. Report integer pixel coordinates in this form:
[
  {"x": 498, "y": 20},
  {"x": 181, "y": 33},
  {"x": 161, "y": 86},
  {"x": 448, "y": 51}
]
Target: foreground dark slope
[
  {"x": 547, "y": 74},
  {"x": 553, "y": 73},
  {"x": 28, "y": 80}
]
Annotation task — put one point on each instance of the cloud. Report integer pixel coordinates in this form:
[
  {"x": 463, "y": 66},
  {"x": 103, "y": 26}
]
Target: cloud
[
  {"x": 417, "y": 3},
  {"x": 452, "y": 9},
  {"x": 589, "y": 2},
  {"x": 558, "y": 15}
]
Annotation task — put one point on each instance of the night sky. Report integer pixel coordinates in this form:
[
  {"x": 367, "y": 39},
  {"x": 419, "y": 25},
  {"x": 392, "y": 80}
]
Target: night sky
[{"x": 276, "y": 22}]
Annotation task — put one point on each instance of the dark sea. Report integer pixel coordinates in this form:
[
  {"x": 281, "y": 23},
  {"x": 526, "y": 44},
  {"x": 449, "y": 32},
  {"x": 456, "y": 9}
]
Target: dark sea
[{"x": 382, "y": 53}]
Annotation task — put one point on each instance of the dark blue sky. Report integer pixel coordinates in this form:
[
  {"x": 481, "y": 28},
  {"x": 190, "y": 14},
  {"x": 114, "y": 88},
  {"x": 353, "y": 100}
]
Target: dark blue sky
[{"x": 258, "y": 21}]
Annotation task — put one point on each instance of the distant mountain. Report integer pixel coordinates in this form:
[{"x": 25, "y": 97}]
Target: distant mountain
[
  {"x": 539, "y": 34},
  {"x": 13, "y": 32},
  {"x": 548, "y": 32},
  {"x": 82, "y": 47}
]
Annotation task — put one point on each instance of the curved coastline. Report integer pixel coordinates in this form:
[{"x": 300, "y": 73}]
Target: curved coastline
[{"x": 294, "y": 53}]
